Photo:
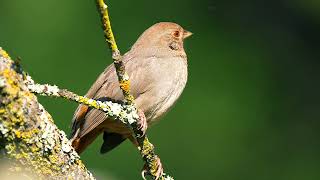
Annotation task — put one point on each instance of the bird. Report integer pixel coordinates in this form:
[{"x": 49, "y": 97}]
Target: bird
[{"x": 158, "y": 71}]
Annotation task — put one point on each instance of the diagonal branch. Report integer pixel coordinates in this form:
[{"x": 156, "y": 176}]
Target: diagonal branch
[
  {"x": 146, "y": 148},
  {"x": 29, "y": 139},
  {"x": 116, "y": 55}
]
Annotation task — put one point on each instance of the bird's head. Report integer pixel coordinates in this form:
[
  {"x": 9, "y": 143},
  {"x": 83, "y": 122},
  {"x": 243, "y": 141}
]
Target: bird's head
[{"x": 163, "y": 37}]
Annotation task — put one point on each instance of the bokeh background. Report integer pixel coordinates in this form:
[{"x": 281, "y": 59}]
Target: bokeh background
[{"x": 251, "y": 108}]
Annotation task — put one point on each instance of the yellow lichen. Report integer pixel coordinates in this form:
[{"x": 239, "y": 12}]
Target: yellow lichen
[
  {"x": 4, "y": 54},
  {"x": 2, "y": 111},
  {"x": 53, "y": 159},
  {"x": 26, "y": 134},
  {"x": 34, "y": 148},
  {"x": 125, "y": 85},
  {"x": 22, "y": 129}
]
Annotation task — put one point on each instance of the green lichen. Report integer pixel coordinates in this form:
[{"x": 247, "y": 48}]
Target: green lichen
[{"x": 28, "y": 136}]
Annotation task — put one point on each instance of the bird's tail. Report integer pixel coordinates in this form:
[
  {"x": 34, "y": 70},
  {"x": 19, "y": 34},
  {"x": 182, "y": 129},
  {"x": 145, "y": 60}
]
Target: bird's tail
[{"x": 81, "y": 143}]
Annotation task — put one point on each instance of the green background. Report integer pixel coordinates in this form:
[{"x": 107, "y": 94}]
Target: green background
[{"x": 250, "y": 109}]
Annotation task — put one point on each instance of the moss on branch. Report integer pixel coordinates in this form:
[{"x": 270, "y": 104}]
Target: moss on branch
[{"x": 29, "y": 139}]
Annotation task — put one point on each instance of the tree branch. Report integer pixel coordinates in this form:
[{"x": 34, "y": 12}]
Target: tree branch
[
  {"x": 122, "y": 112},
  {"x": 29, "y": 139},
  {"x": 146, "y": 148},
  {"x": 116, "y": 55}
]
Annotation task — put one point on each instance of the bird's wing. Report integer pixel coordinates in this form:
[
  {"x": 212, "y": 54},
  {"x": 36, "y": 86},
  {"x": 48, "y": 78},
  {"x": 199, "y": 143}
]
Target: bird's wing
[{"x": 107, "y": 86}]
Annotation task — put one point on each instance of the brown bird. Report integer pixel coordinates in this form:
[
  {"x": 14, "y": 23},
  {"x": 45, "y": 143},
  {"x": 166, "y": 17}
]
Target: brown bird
[{"x": 157, "y": 67}]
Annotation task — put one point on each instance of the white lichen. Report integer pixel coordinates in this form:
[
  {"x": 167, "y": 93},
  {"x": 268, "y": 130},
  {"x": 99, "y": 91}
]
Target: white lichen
[
  {"x": 52, "y": 90},
  {"x": 115, "y": 108},
  {"x": 125, "y": 77},
  {"x": 28, "y": 80},
  {"x": 3, "y": 130},
  {"x": 167, "y": 177},
  {"x": 43, "y": 89},
  {"x": 66, "y": 145},
  {"x": 48, "y": 137},
  {"x": 2, "y": 82},
  {"x": 131, "y": 114}
]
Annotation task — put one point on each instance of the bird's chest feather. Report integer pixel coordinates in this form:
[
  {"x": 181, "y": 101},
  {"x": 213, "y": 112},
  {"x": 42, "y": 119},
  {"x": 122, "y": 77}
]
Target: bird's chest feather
[{"x": 170, "y": 79}]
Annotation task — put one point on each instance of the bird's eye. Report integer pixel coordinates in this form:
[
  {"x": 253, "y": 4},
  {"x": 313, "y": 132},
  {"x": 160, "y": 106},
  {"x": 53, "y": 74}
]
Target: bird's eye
[{"x": 176, "y": 33}]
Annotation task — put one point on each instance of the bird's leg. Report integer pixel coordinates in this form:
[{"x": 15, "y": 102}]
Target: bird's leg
[
  {"x": 142, "y": 123},
  {"x": 157, "y": 174}
]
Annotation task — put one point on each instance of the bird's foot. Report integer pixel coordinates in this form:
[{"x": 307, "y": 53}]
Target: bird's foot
[
  {"x": 158, "y": 170},
  {"x": 142, "y": 123}
]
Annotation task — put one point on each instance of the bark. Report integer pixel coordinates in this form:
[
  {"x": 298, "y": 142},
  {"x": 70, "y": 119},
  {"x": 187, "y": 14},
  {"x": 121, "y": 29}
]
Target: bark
[{"x": 31, "y": 145}]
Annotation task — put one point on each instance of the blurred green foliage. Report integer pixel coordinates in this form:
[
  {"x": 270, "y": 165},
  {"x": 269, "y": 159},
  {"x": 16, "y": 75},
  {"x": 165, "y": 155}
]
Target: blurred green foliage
[{"x": 251, "y": 106}]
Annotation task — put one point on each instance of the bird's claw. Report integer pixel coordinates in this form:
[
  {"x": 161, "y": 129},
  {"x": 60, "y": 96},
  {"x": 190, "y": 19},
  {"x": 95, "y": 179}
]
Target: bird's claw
[
  {"x": 157, "y": 174},
  {"x": 142, "y": 123}
]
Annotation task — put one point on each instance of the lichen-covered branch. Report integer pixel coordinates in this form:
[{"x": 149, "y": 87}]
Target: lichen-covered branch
[
  {"x": 122, "y": 112},
  {"x": 116, "y": 55},
  {"x": 146, "y": 148},
  {"x": 30, "y": 142}
]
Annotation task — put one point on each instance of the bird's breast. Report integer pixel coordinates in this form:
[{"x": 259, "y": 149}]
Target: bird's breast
[{"x": 170, "y": 77}]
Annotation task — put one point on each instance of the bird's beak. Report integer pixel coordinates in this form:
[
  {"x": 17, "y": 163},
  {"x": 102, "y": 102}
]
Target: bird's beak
[{"x": 186, "y": 34}]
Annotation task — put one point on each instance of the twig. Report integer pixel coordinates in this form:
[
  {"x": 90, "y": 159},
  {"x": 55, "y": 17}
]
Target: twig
[
  {"x": 122, "y": 112},
  {"x": 116, "y": 55},
  {"x": 146, "y": 148}
]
